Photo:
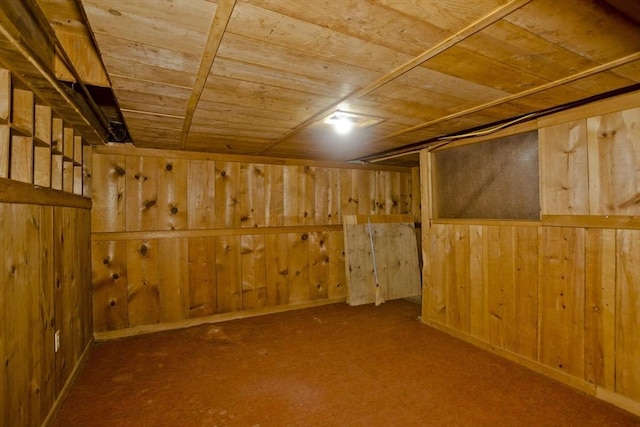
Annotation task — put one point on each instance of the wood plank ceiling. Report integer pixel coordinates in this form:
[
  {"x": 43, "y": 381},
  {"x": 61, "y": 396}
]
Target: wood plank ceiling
[{"x": 258, "y": 77}]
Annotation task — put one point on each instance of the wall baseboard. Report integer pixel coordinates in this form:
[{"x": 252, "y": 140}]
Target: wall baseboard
[
  {"x": 57, "y": 405},
  {"x": 223, "y": 317},
  {"x": 598, "y": 392}
]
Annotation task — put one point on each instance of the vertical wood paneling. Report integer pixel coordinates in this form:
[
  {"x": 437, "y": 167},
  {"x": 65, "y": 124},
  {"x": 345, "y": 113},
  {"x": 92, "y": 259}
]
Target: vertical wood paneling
[
  {"x": 526, "y": 291},
  {"x": 441, "y": 247},
  {"x": 47, "y": 310},
  {"x": 458, "y": 311},
  {"x": 319, "y": 262},
  {"x": 365, "y": 190},
  {"x": 22, "y": 268},
  {"x": 477, "y": 294},
  {"x": 323, "y": 195},
  {"x": 501, "y": 286},
  {"x": 563, "y": 168},
  {"x": 203, "y": 295},
  {"x": 201, "y": 194},
  {"x": 172, "y": 199},
  {"x": 614, "y": 149},
  {"x": 628, "y": 314},
  {"x": 227, "y": 210},
  {"x": 253, "y": 272},
  {"x": 561, "y": 299},
  {"x": 600, "y": 302},
  {"x": 406, "y": 198},
  {"x": 299, "y": 190},
  {"x": 337, "y": 280},
  {"x": 141, "y": 193},
  {"x": 277, "y": 268},
  {"x": 228, "y": 274},
  {"x": 173, "y": 279},
  {"x": 274, "y": 195},
  {"x": 143, "y": 288},
  {"x": 109, "y": 261},
  {"x": 348, "y": 195},
  {"x": 298, "y": 268},
  {"x": 108, "y": 196},
  {"x": 252, "y": 197},
  {"x": 5, "y": 277}
]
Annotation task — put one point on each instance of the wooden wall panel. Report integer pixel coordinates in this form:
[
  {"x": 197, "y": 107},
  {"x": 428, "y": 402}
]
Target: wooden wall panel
[
  {"x": 600, "y": 300},
  {"x": 274, "y": 194},
  {"x": 202, "y": 296},
  {"x": 252, "y": 196},
  {"x": 45, "y": 270},
  {"x": 627, "y": 331},
  {"x": 614, "y": 152},
  {"x": 228, "y": 274},
  {"x": 299, "y": 288},
  {"x": 526, "y": 291},
  {"x": 253, "y": 272},
  {"x": 141, "y": 189},
  {"x": 227, "y": 211},
  {"x": 109, "y": 261},
  {"x": 172, "y": 200},
  {"x": 319, "y": 265},
  {"x": 458, "y": 279},
  {"x": 108, "y": 195},
  {"x": 561, "y": 299},
  {"x": 5, "y": 277},
  {"x": 559, "y": 295},
  {"x": 173, "y": 279},
  {"x": 337, "y": 277},
  {"x": 277, "y": 268},
  {"x": 143, "y": 294},
  {"x": 223, "y": 236},
  {"x": 563, "y": 160},
  {"x": 201, "y": 194},
  {"x": 501, "y": 286}
]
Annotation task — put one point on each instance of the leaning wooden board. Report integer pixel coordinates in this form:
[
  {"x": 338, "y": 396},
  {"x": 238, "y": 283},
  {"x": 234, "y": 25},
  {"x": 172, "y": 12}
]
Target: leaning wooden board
[{"x": 396, "y": 255}]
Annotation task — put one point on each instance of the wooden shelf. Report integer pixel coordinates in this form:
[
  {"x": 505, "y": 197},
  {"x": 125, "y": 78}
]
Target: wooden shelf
[
  {"x": 21, "y": 131},
  {"x": 37, "y": 142}
]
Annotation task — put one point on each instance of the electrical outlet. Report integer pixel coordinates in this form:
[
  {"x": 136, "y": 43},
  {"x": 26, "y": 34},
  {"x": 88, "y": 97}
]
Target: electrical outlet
[{"x": 56, "y": 341}]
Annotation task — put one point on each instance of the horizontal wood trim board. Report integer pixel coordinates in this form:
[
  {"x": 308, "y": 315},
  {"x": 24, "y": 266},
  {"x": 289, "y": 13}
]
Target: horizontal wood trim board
[
  {"x": 223, "y": 317},
  {"x": 495, "y": 222},
  {"x": 618, "y": 400},
  {"x": 570, "y": 380},
  {"x": 130, "y": 150},
  {"x": 582, "y": 385},
  {"x": 214, "y": 232},
  {"x": 377, "y": 219},
  {"x": 592, "y": 221},
  {"x": 12, "y": 191}
]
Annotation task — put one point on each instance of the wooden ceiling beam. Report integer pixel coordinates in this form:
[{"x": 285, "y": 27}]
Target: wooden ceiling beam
[
  {"x": 221, "y": 19},
  {"x": 565, "y": 80},
  {"x": 454, "y": 39}
]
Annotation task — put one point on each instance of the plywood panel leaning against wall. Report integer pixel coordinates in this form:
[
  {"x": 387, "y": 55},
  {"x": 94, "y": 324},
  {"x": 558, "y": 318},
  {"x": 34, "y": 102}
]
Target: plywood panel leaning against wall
[
  {"x": 381, "y": 257},
  {"x": 45, "y": 260},
  {"x": 558, "y": 294},
  {"x": 225, "y": 236}
]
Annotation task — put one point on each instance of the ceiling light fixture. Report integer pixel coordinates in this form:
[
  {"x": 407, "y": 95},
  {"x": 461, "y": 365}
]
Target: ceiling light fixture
[{"x": 343, "y": 122}]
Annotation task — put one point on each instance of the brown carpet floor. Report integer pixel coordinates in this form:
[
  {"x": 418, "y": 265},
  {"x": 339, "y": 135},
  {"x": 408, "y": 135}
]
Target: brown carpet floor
[{"x": 333, "y": 365}]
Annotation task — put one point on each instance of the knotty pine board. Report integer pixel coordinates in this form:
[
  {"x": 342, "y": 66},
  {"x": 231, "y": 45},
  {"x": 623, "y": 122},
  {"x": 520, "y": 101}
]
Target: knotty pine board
[{"x": 201, "y": 297}]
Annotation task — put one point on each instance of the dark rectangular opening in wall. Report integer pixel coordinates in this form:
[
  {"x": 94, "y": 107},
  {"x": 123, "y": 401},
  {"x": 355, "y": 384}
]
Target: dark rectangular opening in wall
[{"x": 497, "y": 179}]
